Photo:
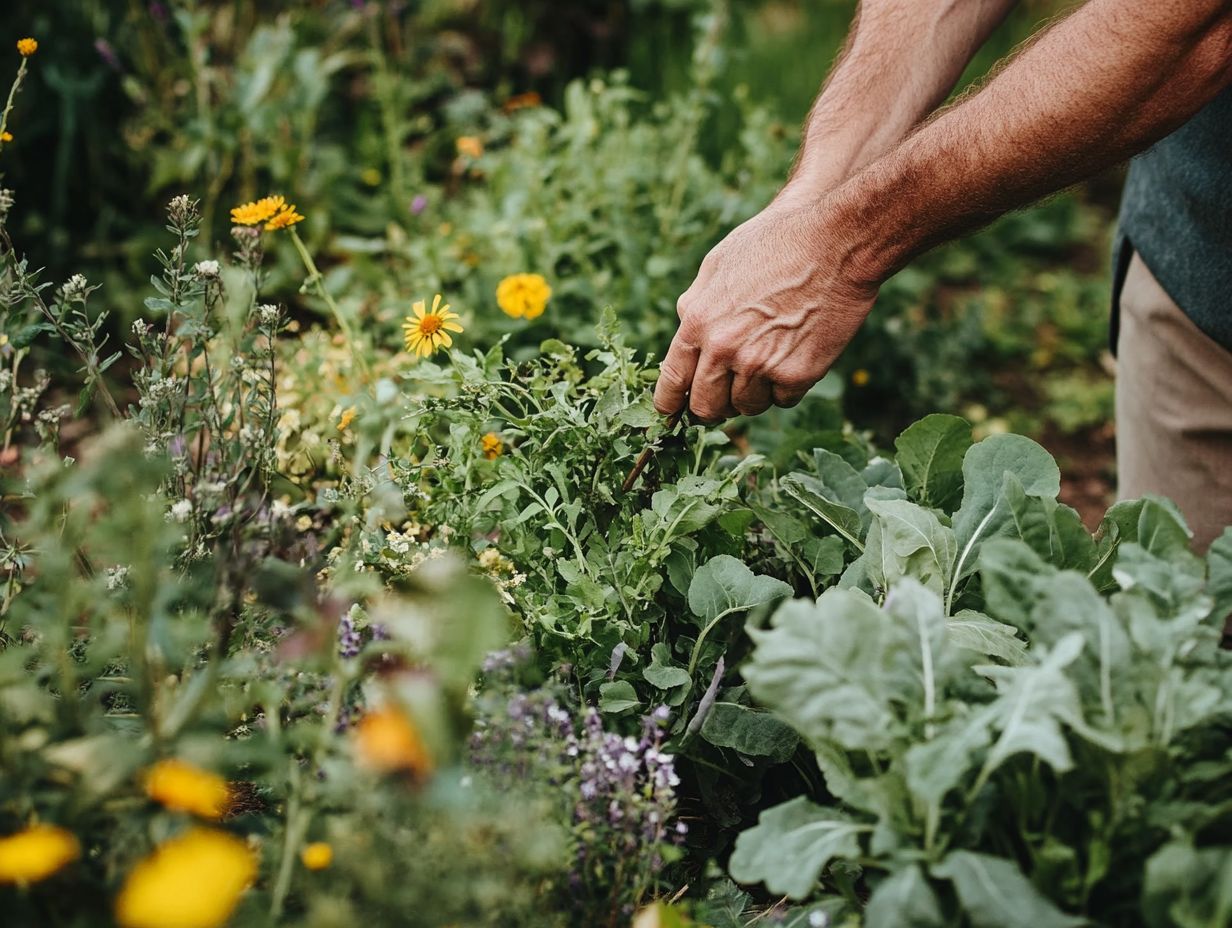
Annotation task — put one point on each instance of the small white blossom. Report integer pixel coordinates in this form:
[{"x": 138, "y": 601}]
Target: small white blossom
[
  {"x": 206, "y": 270},
  {"x": 117, "y": 578},
  {"x": 75, "y": 287},
  {"x": 180, "y": 511}
]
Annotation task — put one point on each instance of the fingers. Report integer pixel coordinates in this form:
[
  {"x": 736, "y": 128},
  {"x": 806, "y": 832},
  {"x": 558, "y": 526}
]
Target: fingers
[
  {"x": 675, "y": 376},
  {"x": 751, "y": 395},
  {"x": 710, "y": 398},
  {"x": 787, "y": 396}
]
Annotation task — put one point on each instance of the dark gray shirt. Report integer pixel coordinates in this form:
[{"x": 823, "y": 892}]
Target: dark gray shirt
[{"x": 1177, "y": 213}]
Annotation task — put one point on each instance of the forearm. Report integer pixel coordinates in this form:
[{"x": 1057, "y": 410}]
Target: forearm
[
  {"x": 1102, "y": 85},
  {"x": 902, "y": 59}
]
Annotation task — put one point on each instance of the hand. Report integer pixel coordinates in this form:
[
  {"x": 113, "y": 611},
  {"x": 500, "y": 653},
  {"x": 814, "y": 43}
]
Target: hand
[{"x": 773, "y": 305}]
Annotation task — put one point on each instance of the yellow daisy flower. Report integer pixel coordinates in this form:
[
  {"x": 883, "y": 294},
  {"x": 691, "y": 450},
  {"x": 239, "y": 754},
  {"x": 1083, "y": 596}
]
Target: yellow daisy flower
[
  {"x": 347, "y": 417},
  {"x": 258, "y": 211},
  {"x": 192, "y": 881},
  {"x": 27, "y": 46},
  {"x": 182, "y": 787},
  {"x": 284, "y": 220},
  {"x": 428, "y": 330},
  {"x": 492, "y": 445},
  {"x": 523, "y": 295},
  {"x": 36, "y": 853},
  {"x": 317, "y": 856}
]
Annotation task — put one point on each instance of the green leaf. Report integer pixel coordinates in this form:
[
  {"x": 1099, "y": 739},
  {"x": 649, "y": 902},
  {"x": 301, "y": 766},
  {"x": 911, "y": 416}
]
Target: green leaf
[
  {"x": 930, "y": 453},
  {"x": 791, "y": 845},
  {"x": 811, "y": 494},
  {"x": 1188, "y": 888},
  {"x": 984, "y": 513},
  {"x": 906, "y": 540},
  {"x": 617, "y": 696},
  {"x": 1219, "y": 575},
  {"x": 1053, "y": 531},
  {"x": 724, "y": 585},
  {"x": 995, "y": 894},
  {"x": 976, "y": 632},
  {"x": 749, "y": 731},
  {"x": 661, "y": 672},
  {"x": 904, "y": 900}
]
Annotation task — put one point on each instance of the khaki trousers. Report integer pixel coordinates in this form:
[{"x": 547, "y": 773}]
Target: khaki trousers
[{"x": 1173, "y": 408}]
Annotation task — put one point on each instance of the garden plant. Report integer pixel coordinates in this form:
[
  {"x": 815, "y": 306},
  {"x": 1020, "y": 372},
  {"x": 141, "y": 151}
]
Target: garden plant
[{"x": 350, "y": 577}]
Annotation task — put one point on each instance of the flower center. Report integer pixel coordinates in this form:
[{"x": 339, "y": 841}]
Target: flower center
[{"x": 430, "y": 325}]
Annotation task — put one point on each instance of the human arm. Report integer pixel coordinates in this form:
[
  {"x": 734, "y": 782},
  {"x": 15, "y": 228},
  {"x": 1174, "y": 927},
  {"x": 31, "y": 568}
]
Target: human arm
[
  {"x": 767, "y": 317},
  {"x": 900, "y": 61}
]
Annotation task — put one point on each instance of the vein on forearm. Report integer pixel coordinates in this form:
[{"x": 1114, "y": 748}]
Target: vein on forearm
[{"x": 1101, "y": 85}]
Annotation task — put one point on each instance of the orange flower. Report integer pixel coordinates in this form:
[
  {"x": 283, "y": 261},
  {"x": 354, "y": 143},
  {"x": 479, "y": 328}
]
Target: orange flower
[
  {"x": 258, "y": 211},
  {"x": 27, "y": 47},
  {"x": 470, "y": 146},
  {"x": 492, "y": 445},
  {"x": 36, "y": 853},
  {"x": 286, "y": 218},
  {"x": 388, "y": 742},
  {"x": 429, "y": 329}
]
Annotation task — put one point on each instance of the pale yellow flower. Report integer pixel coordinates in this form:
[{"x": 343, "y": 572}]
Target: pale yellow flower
[
  {"x": 347, "y": 417},
  {"x": 428, "y": 330},
  {"x": 258, "y": 211},
  {"x": 184, "y": 788},
  {"x": 317, "y": 856},
  {"x": 388, "y": 742},
  {"x": 194, "y": 880},
  {"x": 36, "y": 853},
  {"x": 523, "y": 296},
  {"x": 27, "y": 46}
]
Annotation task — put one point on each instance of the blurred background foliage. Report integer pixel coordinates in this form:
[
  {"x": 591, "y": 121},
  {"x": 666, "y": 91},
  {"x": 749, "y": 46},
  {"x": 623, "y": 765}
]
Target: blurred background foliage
[{"x": 663, "y": 124}]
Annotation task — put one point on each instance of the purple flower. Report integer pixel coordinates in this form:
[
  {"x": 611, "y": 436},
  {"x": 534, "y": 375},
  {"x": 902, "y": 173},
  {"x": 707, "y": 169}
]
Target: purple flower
[
  {"x": 349, "y": 640},
  {"x": 419, "y": 204},
  {"x": 107, "y": 53}
]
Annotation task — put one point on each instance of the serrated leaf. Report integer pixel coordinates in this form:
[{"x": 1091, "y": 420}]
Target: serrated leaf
[
  {"x": 995, "y": 894},
  {"x": 904, "y": 900},
  {"x": 750, "y": 731},
  {"x": 791, "y": 845},
  {"x": 930, "y": 453}
]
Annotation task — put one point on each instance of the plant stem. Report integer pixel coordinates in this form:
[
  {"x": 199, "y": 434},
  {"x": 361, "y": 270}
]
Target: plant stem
[{"x": 318, "y": 282}]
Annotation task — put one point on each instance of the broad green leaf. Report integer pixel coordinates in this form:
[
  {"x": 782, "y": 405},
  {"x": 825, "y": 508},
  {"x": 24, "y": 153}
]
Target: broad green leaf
[
  {"x": 937, "y": 765},
  {"x": 882, "y": 472},
  {"x": 906, "y": 540},
  {"x": 904, "y": 900},
  {"x": 1053, "y": 531},
  {"x": 976, "y": 632},
  {"x": 1186, "y": 887},
  {"x": 724, "y": 585},
  {"x": 791, "y": 845},
  {"x": 842, "y": 482},
  {"x": 617, "y": 696},
  {"x": 984, "y": 513},
  {"x": 661, "y": 672},
  {"x": 750, "y": 731},
  {"x": 1161, "y": 528},
  {"x": 930, "y": 453},
  {"x": 1219, "y": 575},
  {"x": 1010, "y": 573},
  {"x": 995, "y": 894},
  {"x": 826, "y": 668},
  {"x": 812, "y": 494},
  {"x": 1175, "y": 581}
]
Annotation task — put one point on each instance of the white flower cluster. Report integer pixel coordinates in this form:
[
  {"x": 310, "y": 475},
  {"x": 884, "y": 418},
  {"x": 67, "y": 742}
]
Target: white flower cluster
[
  {"x": 75, "y": 288},
  {"x": 207, "y": 270},
  {"x": 180, "y": 511}
]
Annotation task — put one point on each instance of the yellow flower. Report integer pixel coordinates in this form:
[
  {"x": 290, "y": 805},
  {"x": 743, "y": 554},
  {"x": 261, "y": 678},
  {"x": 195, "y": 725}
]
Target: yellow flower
[
  {"x": 284, "y": 220},
  {"x": 470, "y": 146},
  {"x": 388, "y": 742},
  {"x": 493, "y": 447},
  {"x": 27, "y": 46},
  {"x": 259, "y": 211},
  {"x": 185, "y": 788},
  {"x": 317, "y": 856},
  {"x": 861, "y": 377},
  {"x": 192, "y": 881},
  {"x": 523, "y": 295},
  {"x": 347, "y": 417},
  {"x": 36, "y": 853},
  {"x": 6, "y": 136},
  {"x": 370, "y": 176},
  {"x": 428, "y": 330}
]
